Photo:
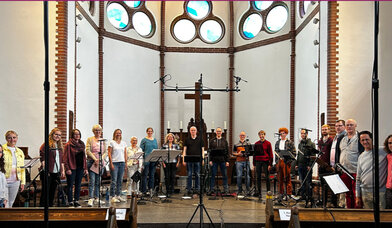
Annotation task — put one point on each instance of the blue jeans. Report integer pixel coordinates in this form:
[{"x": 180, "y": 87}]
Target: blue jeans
[
  {"x": 94, "y": 181},
  {"x": 117, "y": 178},
  {"x": 240, "y": 166},
  {"x": 148, "y": 171},
  {"x": 74, "y": 179},
  {"x": 214, "y": 170},
  {"x": 193, "y": 168}
]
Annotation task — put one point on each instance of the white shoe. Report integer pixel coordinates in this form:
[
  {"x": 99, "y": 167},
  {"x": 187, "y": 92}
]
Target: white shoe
[
  {"x": 115, "y": 200},
  {"x": 122, "y": 199},
  {"x": 90, "y": 202},
  {"x": 96, "y": 201}
]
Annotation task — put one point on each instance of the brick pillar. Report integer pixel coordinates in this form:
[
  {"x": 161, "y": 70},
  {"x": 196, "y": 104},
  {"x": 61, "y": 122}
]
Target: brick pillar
[
  {"x": 162, "y": 50},
  {"x": 61, "y": 68},
  {"x": 333, "y": 64},
  {"x": 101, "y": 30}
]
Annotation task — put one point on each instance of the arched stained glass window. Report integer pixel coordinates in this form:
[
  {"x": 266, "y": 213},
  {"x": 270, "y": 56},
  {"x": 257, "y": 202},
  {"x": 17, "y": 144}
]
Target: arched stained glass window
[
  {"x": 117, "y": 15},
  {"x": 252, "y": 25},
  {"x": 276, "y": 18},
  {"x": 184, "y": 30},
  {"x": 267, "y": 16},
  {"x": 198, "y": 22},
  {"x": 198, "y": 9}
]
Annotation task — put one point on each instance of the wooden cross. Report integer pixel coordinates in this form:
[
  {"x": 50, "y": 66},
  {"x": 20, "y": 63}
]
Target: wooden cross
[{"x": 196, "y": 97}]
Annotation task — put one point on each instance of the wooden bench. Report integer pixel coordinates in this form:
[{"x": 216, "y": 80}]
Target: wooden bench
[{"x": 65, "y": 217}]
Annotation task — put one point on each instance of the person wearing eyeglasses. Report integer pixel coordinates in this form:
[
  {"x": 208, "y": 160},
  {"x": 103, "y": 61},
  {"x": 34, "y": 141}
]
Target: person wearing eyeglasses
[
  {"x": 364, "y": 180},
  {"x": 350, "y": 149},
  {"x": 55, "y": 166},
  {"x": 13, "y": 163}
]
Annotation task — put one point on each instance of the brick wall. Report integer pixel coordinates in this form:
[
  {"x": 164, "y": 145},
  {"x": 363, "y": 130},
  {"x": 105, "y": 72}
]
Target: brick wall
[{"x": 61, "y": 68}]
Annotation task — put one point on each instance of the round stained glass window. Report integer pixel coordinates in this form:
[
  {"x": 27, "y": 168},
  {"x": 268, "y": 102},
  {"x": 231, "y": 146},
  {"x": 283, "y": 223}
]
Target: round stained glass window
[
  {"x": 211, "y": 31},
  {"x": 117, "y": 15},
  {"x": 262, "y": 5},
  {"x": 198, "y": 9},
  {"x": 142, "y": 24},
  {"x": 252, "y": 25},
  {"x": 132, "y": 4},
  {"x": 276, "y": 18},
  {"x": 184, "y": 30}
]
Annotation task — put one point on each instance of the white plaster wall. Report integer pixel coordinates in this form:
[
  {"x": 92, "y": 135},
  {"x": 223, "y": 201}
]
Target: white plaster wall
[
  {"x": 263, "y": 102},
  {"x": 176, "y": 8},
  {"x": 86, "y": 78},
  {"x": 306, "y": 81},
  {"x": 385, "y": 69},
  {"x": 323, "y": 39},
  {"x": 240, "y": 8},
  {"x": 185, "y": 69},
  {"x": 23, "y": 73},
  {"x": 71, "y": 60},
  {"x": 131, "y": 99},
  {"x": 155, "y": 8},
  {"x": 355, "y": 61}
]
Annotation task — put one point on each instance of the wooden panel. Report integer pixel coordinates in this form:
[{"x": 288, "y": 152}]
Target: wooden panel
[
  {"x": 339, "y": 215},
  {"x": 57, "y": 214}
]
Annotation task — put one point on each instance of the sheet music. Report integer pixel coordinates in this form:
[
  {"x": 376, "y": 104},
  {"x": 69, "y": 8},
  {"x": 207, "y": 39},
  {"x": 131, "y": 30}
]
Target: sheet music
[
  {"x": 137, "y": 155},
  {"x": 336, "y": 184}
]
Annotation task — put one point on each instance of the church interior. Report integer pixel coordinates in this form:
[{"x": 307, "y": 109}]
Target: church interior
[{"x": 249, "y": 65}]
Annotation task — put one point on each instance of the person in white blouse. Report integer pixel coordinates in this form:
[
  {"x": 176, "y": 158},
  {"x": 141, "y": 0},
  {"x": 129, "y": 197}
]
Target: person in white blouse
[
  {"x": 117, "y": 152},
  {"x": 133, "y": 165}
]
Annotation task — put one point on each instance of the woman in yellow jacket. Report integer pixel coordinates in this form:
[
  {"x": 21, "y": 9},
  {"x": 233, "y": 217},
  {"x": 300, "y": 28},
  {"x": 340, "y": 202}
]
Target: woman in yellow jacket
[{"x": 14, "y": 161}]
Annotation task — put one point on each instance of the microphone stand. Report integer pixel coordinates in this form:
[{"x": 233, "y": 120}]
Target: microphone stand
[
  {"x": 307, "y": 196},
  {"x": 100, "y": 171}
]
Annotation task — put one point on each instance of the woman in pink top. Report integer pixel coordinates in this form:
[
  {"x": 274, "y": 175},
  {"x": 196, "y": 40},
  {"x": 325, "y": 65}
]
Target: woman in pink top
[
  {"x": 95, "y": 146},
  {"x": 388, "y": 193}
]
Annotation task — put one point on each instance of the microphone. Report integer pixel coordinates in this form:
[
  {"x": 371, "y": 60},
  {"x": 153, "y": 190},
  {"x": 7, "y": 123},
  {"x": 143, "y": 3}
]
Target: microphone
[
  {"x": 239, "y": 79},
  {"x": 307, "y": 130},
  {"x": 247, "y": 139},
  {"x": 161, "y": 78},
  {"x": 277, "y": 133}
]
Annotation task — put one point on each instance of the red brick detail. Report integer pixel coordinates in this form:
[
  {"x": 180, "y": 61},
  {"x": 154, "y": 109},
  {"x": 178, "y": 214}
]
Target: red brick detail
[
  {"x": 292, "y": 70},
  {"x": 126, "y": 39},
  {"x": 61, "y": 68},
  {"x": 263, "y": 42},
  {"x": 333, "y": 64},
  {"x": 101, "y": 31}
]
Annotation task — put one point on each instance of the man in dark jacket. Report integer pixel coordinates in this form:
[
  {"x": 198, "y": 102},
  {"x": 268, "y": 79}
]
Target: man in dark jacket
[
  {"x": 304, "y": 163},
  {"x": 219, "y": 156}
]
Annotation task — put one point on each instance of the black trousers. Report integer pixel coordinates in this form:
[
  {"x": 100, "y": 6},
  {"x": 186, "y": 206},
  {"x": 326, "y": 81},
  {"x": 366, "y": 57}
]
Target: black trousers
[
  {"x": 170, "y": 176},
  {"x": 388, "y": 198},
  {"x": 53, "y": 180},
  {"x": 262, "y": 167}
]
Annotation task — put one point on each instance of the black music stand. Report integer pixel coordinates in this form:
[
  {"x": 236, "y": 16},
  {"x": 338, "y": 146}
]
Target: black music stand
[
  {"x": 247, "y": 152},
  {"x": 33, "y": 182},
  {"x": 164, "y": 156},
  {"x": 217, "y": 152}
]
